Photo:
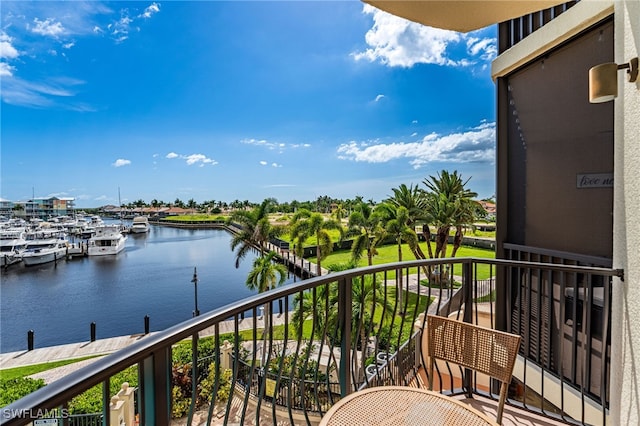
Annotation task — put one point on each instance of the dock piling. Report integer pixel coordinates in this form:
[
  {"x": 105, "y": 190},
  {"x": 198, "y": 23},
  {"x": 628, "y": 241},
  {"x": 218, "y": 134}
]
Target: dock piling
[{"x": 30, "y": 340}]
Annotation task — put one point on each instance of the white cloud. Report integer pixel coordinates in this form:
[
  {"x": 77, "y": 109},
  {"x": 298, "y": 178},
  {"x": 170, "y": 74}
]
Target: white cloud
[
  {"x": 199, "y": 158},
  {"x": 263, "y": 163},
  {"x": 397, "y": 42},
  {"x": 280, "y": 146},
  {"x": 379, "y": 97},
  {"x": 7, "y": 51},
  {"x": 121, "y": 162},
  {"x": 48, "y": 27},
  {"x": 276, "y": 165},
  {"x": 6, "y": 70},
  {"x": 192, "y": 159},
  {"x": 474, "y": 145},
  {"x": 485, "y": 48},
  {"x": 54, "y": 92},
  {"x": 60, "y": 26},
  {"x": 150, "y": 10}
]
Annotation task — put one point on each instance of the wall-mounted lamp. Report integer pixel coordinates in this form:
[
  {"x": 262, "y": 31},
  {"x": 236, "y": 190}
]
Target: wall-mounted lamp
[{"x": 603, "y": 80}]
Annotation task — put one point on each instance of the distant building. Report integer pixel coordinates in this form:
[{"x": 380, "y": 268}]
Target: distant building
[
  {"x": 6, "y": 207},
  {"x": 40, "y": 208},
  {"x": 489, "y": 208}
]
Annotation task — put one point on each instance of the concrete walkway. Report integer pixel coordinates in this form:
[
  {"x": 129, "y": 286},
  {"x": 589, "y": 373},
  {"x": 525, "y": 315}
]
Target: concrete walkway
[{"x": 106, "y": 346}]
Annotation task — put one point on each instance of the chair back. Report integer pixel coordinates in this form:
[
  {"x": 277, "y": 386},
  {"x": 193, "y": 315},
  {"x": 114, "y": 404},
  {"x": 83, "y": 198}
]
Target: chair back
[{"x": 481, "y": 349}]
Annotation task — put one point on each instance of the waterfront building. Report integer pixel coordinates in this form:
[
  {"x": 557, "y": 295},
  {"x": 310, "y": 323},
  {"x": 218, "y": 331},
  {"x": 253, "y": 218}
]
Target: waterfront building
[
  {"x": 45, "y": 208},
  {"x": 6, "y": 208}
]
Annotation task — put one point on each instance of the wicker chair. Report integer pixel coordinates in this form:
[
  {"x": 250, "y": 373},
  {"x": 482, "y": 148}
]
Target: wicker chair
[{"x": 482, "y": 349}]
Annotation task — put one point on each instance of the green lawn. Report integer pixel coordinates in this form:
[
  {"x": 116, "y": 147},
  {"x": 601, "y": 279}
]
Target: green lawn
[
  {"x": 389, "y": 254},
  {"x": 12, "y": 373}
]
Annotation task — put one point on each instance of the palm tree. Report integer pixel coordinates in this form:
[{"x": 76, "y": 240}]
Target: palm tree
[
  {"x": 413, "y": 199},
  {"x": 339, "y": 213},
  {"x": 254, "y": 231},
  {"x": 306, "y": 224},
  {"x": 449, "y": 203},
  {"x": 266, "y": 275},
  {"x": 367, "y": 298},
  {"x": 395, "y": 224},
  {"x": 365, "y": 224}
]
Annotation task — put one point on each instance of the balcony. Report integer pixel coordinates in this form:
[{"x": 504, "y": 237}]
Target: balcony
[{"x": 346, "y": 331}]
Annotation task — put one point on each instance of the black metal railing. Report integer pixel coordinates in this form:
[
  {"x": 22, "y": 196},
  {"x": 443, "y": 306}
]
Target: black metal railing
[
  {"x": 514, "y": 30},
  {"x": 262, "y": 366}
]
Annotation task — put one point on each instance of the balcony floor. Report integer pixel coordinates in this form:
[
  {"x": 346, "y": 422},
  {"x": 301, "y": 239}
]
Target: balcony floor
[{"x": 513, "y": 416}]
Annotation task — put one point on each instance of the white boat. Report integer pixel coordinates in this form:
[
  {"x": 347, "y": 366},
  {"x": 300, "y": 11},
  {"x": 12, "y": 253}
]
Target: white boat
[
  {"x": 44, "y": 246},
  {"x": 140, "y": 225},
  {"x": 107, "y": 240},
  {"x": 12, "y": 245}
]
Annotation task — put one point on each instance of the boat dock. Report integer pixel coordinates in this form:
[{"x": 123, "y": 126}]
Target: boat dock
[{"x": 108, "y": 345}]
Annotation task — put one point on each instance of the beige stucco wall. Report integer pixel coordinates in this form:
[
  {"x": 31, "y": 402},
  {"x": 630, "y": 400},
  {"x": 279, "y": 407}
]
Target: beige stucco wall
[{"x": 625, "y": 347}]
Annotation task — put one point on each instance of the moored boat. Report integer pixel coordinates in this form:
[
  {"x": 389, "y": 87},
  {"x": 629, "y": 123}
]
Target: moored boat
[
  {"x": 107, "y": 240},
  {"x": 12, "y": 245},
  {"x": 140, "y": 225},
  {"x": 44, "y": 246}
]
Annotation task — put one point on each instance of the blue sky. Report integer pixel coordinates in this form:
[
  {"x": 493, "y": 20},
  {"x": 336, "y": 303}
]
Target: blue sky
[{"x": 214, "y": 100}]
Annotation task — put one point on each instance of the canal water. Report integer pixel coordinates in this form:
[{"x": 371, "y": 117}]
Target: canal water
[{"x": 152, "y": 276}]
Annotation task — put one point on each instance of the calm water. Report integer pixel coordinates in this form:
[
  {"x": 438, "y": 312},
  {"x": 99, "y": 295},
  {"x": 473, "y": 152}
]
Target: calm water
[{"x": 152, "y": 276}]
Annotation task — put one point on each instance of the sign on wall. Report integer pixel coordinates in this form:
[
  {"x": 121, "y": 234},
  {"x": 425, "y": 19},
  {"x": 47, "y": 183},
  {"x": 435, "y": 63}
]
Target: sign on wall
[{"x": 595, "y": 180}]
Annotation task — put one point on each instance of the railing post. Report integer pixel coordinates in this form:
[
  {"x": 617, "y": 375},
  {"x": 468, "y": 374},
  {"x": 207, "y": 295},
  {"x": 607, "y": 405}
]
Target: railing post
[
  {"x": 467, "y": 283},
  {"x": 194, "y": 376},
  {"x": 155, "y": 386},
  {"x": 344, "y": 325}
]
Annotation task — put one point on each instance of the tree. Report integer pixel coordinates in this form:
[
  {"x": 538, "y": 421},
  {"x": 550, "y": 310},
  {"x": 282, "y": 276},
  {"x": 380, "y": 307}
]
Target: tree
[
  {"x": 450, "y": 205},
  {"x": 365, "y": 225},
  {"x": 395, "y": 220},
  {"x": 266, "y": 275},
  {"x": 306, "y": 224},
  {"x": 366, "y": 299},
  {"x": 413, "y": 199},
  {"x": 254, "y": 230},
  {"x": 321, "y": 306},
  {"x": 339, "y": 213}
]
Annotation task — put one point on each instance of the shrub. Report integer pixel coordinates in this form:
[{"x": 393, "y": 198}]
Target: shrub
[{"x": 13, "y": 389}]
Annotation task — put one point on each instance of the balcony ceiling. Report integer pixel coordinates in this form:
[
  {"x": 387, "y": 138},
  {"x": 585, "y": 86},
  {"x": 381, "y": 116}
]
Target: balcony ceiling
[{"x": 462, "y": 15}]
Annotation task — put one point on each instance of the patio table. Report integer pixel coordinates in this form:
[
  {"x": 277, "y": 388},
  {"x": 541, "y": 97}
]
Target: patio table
[{"x": 402, "y": 405}]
